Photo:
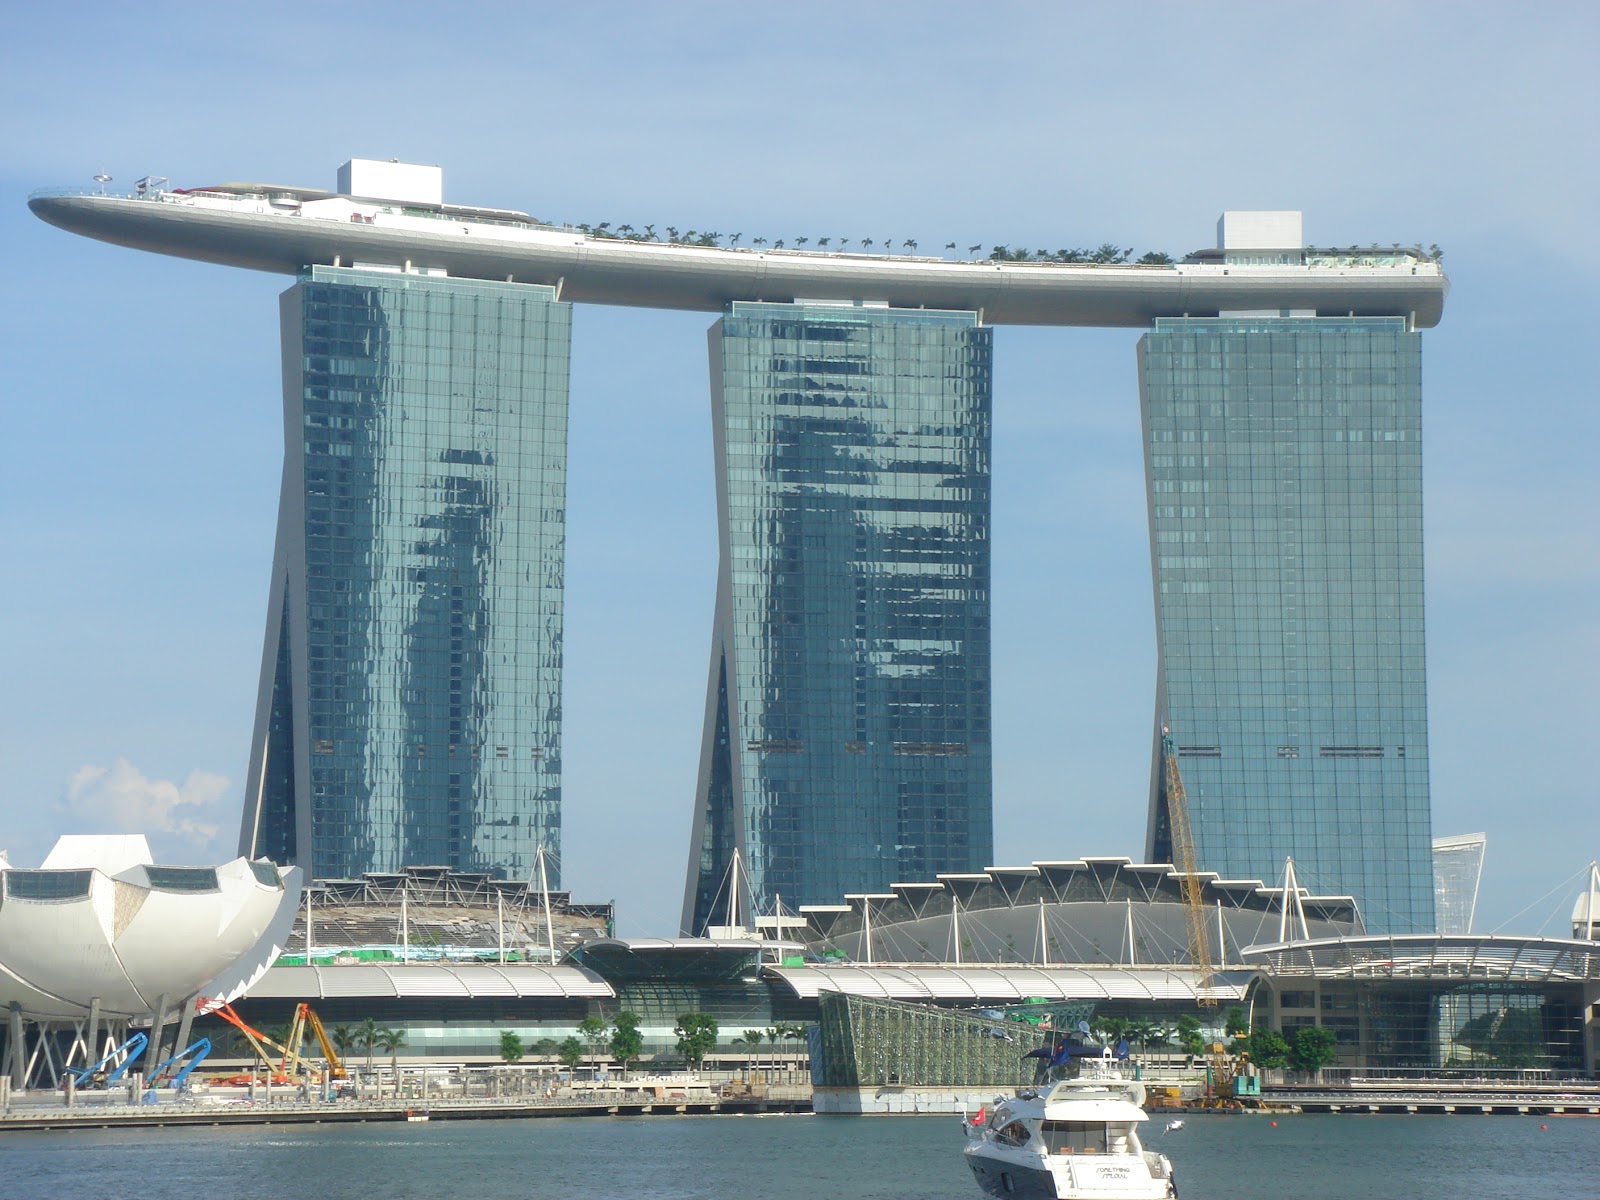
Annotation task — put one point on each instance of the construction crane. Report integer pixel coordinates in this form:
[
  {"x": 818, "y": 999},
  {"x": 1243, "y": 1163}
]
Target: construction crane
[
  {"x": 170, "y": 1074},
  {"x": 258, "y": 1040},
  {"x": 1188, "y": 872},
  {"x": 96, "y": 1076},
  {"x": 306, "y": 1017}
]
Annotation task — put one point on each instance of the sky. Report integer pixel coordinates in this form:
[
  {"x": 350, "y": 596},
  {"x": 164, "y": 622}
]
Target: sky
[{"x": 142, "y": 421}]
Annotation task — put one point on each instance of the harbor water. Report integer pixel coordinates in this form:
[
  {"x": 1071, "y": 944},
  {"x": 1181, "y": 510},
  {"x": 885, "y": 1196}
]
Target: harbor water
[{"x": 790, "y": 1158}]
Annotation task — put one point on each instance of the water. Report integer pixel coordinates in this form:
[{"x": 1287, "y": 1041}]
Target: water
[{"x": 788, "y": 1158}]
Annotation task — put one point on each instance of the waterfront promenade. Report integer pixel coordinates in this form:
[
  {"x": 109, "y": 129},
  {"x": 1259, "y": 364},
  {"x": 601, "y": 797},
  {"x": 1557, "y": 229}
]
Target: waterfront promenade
[
  {"x": 1438, "y": 1097},
  {"x": 224, "y": 1107}
]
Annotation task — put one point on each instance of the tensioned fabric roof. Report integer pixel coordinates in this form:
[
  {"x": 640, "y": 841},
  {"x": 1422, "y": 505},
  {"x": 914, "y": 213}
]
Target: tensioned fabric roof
[
  {"x": 433, "y": 981},
  {"x": 1007, "y": 984}
]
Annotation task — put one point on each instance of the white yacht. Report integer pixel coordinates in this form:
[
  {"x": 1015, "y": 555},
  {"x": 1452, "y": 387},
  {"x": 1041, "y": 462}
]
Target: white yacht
[{"x": 1073, "y": 1140}]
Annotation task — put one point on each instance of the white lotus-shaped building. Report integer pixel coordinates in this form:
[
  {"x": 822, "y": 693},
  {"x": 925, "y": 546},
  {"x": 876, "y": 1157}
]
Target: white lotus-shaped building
[{"x": 99, "y": 921}]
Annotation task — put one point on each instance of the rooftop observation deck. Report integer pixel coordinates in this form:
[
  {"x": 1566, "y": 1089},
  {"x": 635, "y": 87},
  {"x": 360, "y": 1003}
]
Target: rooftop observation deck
[{"x": 288, "y": 229}]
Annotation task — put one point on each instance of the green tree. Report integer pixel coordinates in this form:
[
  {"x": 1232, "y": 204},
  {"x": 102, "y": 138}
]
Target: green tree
[
  {"x": 1235, "y": 1023},
  {"x": 1268, "y": 1050},
  {"x": 1189, "y": 1036},
  {"x": 1314, "y": 1048},
  {"x": 343, "y": 1038},
  {"x": 511, "y": 1047},
  {"x": 1155, "y": 258},
  {"x": 546, "y": 1047},
  {"x": 366, "y": 1035},
  {"x": 697, "y": 1036},
  {"x": 570, "y": 1053},
  {"x": 1112, "y": 1029},
  {"x": 795, "y": 1033},
  {"x": 390, "y": 1041},
  {"x": 593, "y": 1029},
  {"x": 626, "y": 1040},
  {"x": 753, "y": 1039}
]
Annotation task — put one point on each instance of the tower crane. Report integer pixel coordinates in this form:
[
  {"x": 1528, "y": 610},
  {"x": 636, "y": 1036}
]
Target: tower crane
[{"x": 1188, "y": 872}]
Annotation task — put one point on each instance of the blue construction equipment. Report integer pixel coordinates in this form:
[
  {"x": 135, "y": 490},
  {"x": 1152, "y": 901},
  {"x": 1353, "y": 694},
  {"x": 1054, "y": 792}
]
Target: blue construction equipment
[
  {"x": 131, "y": 1048},
  {"x": 198, "y": 1050}
]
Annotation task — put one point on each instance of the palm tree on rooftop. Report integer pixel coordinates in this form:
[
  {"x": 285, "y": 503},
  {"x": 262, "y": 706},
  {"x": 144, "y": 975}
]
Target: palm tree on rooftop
[
  {"x": 760, "y": 241},
  {"x": 974, "y": 249},
  {"x": 801, "y": 241},
  {"x": 866, "y": 243},
  {"x": 911, "y": 244}
]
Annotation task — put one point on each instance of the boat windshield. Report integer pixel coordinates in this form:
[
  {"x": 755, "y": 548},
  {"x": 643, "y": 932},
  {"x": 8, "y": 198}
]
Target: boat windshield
[
  {"x": 1013, "y": 1134},
  {"x": 1074, "y": 1137}
]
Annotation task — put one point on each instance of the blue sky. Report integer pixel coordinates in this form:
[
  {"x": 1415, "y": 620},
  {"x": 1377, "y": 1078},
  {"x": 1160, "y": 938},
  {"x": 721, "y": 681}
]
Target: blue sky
[{"x": 139, "y": 467}]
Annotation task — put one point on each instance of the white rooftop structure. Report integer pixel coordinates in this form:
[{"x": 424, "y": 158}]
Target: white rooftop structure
[
  {"x": 1260, "y": 231},
  {"x": 407, "y": 183},
  {"x": 390, "y": 215},
  {"x": 101, "y": 922}
]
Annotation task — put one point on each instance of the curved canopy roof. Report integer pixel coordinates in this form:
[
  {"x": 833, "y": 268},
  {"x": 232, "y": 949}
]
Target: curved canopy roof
[
  {"x": 1007, "y": 984},
  {"x": 410, "y": 981},
  {"x": 1433, "y": 957}
]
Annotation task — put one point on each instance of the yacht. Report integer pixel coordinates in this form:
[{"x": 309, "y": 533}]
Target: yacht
[{"x": 1072, "y": 1140}]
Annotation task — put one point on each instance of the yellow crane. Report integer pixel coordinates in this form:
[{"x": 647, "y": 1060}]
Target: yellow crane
[
  {"x": 305, "y": 1017},
  {"x": 1188, "y": 873}
]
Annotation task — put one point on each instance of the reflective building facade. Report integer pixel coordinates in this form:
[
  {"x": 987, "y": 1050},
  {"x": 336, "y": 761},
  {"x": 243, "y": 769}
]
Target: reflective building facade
[
  {"x": 1284, "y": 464},
  {"x": 410, "y": 702},
  {"x": 847, "y": 720},
  {"x": 1457, "y": 871}
]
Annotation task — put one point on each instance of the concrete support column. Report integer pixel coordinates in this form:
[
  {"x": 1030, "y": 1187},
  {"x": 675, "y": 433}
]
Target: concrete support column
[
  {"x": 185, "y": 1025},
  {"x": 1591, "y": 1030},
  {"x": 158, "y": 1027},
  {"x": 19, "y": 1049},
  {"x": 92, "y": 1034}
]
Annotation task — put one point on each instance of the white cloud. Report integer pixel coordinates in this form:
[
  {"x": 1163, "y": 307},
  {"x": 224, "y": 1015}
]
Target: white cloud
[{"x": 122, "y": 799}]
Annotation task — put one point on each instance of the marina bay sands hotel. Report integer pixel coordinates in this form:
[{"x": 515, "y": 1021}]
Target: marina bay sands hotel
[{"x": 410, "y": 701}]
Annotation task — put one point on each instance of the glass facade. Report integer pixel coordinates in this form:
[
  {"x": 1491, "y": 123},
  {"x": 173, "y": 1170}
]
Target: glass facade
[
  {"x": 847, "y": 721},
  {"x": 1483, "y": 1027},
  {"x": 1284, "y": 463},
  {"x": 1457, "y": 870},
  {"x": 410, "y": 708}
]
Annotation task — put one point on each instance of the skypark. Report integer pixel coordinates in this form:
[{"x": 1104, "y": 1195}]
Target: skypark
[{"x": 392, "y": 216}]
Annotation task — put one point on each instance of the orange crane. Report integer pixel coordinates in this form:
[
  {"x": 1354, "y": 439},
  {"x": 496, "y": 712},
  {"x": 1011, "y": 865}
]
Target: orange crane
[
  {"x": 1189, "y": 875},
  {"x": 290, "y": 1058},
  {"x": 258, "y": 1040}
]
